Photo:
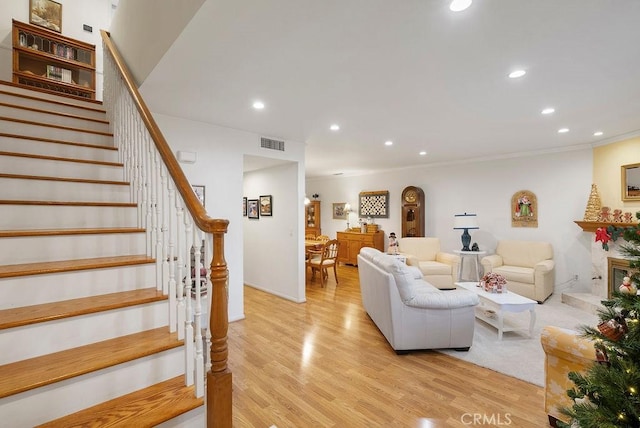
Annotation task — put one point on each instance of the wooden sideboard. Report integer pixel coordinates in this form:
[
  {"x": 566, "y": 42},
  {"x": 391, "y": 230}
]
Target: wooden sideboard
[{"x": 351, "y": 242}]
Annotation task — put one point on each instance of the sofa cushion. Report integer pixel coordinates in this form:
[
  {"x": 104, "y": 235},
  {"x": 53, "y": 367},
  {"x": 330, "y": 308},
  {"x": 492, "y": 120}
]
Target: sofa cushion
[
  {"x": 524, "y": 253},
  {"x": 433, "y": 298},
  {"x": 434, "y": 268},
  {"x": 515, "y": 273},
  {"x": 422, "y": 248}
]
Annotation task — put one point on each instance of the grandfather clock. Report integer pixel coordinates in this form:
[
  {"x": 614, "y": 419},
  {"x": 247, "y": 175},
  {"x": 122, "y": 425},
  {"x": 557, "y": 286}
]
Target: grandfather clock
[{"x": 413, "y": 212}]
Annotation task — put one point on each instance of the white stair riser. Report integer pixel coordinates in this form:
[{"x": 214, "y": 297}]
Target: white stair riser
[
  {"x": 33, "y": 249},
  {"x": 71, "y": 135},
  {"x": 47, "y": 96},
  {"x": 44, "y": 148},
  {"x": 195, "y": 418},
  {"x": 37, "y": 289},
  {"x": 14, "y": 217},
  {"x": 50, "y": 190},
  {"x": 56, "y": 168},
  {"x": 52, "y": 119},
  {"x": 53, "y": 401},
  {"x": 43, "y": 338},
  {"x": 52, "y": 106}
]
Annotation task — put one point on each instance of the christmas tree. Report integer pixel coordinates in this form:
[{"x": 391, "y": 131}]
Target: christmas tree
[{"x": 608, "y": 393}]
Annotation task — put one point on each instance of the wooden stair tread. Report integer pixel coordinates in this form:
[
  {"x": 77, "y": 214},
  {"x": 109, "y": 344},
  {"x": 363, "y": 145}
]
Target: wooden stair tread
[
  {"x": 50, "y": 101},
  {"x": 52, "y": 125},
  {"x": 70, "y": 203},
  {"x": 26, "y": 315},
  {"x": 54, "y": 141},
  {"x": 55, "y": 113},
  {"x": 65, "y": 232},
  {"x": 65, "y": 179},
  {"x": 61, "y": 159},
  {"x": 36, "y": 372},
  {"x": 59, "y": 95},
  {"x": 8, "y": 271},
  {"x": 144, "y": 408}
]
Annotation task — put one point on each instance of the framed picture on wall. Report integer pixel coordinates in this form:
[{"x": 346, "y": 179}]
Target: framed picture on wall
[
  {"x": 244, "y": 206},
  {"x": 46, "y": 13},
  {"x": 266, "y": 207},
  {"x": 253, "y": 209},
  {"x": 339, "y": 211}
]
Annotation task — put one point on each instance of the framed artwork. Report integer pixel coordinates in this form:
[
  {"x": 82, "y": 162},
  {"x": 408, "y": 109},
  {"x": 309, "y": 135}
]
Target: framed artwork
[
  {"x": 199, "y": 190},
  {"x": 266, "y": 206},
  {"x": 339, "y": 211},
  {"x": 524, "y": 209},
  {"x": 253, "y": 211},
  {"x": 244, "y": 206},
  {"x": 46, "y": 13},
  {"x": 374, "y": 204}
]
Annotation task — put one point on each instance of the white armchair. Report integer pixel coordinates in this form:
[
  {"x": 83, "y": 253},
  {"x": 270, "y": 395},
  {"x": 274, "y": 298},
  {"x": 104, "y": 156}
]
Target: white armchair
[
  {"x": 527, "y": 266},
  {"x": 439, "y": 268}
]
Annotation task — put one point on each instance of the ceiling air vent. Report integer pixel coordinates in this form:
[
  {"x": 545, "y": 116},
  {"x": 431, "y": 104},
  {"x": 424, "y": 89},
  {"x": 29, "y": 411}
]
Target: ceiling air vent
[{"x": 268, "y": 143}]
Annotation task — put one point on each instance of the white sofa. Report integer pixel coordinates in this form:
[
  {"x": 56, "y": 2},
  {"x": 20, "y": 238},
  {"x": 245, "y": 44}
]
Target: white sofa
[
  {"x": 411, "y": 313},
  {"x": 527, "y": 266},
  {"x": 439, "y": 268}
]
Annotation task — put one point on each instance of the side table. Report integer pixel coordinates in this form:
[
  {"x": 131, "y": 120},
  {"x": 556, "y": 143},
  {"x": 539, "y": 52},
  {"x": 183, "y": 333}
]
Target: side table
[{"x": 465, "y": 255}]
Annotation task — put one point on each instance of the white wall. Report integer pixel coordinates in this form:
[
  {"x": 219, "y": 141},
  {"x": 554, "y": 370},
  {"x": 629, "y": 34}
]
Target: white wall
[
  {"x": 143, "y": 38},
  {"x": 272, "y": 245},
  {"x": 561, "y": 181},
  {"x": 75, "y": 13},
  {"x": 219, "y": 167}
]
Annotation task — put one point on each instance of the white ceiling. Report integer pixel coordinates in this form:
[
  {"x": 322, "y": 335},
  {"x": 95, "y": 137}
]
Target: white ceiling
[{"x": 410, "y": 71}]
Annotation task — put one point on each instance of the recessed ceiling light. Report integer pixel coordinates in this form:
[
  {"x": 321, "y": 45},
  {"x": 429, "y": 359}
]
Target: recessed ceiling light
[
  {"x": 258, "y": 105},
  {"x": 334, "y": 127},
  {"x": 563, "y": 130},
  {"x": 422, "y": 153},
  {"x": 388, "y": 143},
  {"x": 517, "y": 73},
  {"x": 598, "y": 133},
  {"x": 548, "y": 110},
  {"x": 459, "y": 5}
]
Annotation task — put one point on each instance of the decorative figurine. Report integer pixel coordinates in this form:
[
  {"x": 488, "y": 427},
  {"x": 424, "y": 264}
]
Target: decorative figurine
[
  {"x": 475, "y": 247},
  {"x": 627, "y": 287},
  {"x": 393, "y": 244}
]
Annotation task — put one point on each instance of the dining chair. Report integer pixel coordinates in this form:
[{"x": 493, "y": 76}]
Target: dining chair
[{"x": 324, "y": 261}]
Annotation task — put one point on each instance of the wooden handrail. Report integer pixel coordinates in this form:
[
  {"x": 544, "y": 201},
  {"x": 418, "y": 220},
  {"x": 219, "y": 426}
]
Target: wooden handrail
[
  {"x": 198, "y": 212},
  {"x": 219, "y": 378}
]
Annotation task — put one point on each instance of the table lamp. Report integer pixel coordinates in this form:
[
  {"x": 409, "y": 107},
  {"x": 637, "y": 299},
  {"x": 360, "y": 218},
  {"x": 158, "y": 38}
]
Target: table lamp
[
  {"x": 465, "y": 222},
  {"x": 347, "y": 211}
]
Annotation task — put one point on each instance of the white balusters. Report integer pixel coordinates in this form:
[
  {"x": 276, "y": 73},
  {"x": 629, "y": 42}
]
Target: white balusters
[{"x": 171, "y": 233}]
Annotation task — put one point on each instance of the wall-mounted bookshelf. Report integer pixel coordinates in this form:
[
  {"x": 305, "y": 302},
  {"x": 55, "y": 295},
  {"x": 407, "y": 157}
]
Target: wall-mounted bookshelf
[{"x": 47, "y": 60}]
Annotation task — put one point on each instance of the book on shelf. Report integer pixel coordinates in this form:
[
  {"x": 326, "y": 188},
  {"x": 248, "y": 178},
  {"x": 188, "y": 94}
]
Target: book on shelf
[{"x": 59, "y": 73}]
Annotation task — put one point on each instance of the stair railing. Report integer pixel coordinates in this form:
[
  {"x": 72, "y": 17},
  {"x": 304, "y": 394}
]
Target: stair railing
[{"x": 178, "y": 230}]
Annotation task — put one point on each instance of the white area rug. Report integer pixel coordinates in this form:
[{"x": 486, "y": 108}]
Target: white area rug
[{"x": 517, "y": 355}]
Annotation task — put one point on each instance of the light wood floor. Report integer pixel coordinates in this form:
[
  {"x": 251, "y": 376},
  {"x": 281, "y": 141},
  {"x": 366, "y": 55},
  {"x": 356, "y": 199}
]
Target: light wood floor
[{"x": 323, "y": 363}]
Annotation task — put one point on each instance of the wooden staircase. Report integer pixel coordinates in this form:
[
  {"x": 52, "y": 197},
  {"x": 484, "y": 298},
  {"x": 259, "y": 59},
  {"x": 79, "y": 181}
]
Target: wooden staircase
[{"x": 84, "y": 334}]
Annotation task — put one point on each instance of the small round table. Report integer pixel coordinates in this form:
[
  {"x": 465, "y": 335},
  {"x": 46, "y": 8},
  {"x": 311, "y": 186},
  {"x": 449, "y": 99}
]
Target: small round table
[{"x": 475, "y": 255}]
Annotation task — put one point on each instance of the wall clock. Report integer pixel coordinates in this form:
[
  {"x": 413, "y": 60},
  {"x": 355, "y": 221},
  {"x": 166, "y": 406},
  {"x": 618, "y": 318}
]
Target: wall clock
[{"x": 413, "y": 212}]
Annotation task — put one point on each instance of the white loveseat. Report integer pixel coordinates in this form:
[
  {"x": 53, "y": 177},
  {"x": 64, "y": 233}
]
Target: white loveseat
[
  {"x": 439, "y": 268},
  {"x": 527, "y": 266},
  {"x": 411, "y": 313}
]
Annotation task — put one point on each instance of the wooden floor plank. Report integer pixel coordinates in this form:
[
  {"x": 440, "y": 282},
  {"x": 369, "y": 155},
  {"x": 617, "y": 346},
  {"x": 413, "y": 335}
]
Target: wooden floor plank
[
  {"x": 145, "y": 408},
  {"x": 16, "y": 317},
  {"x": 39, "y": 371},
  {"x": 325, "y": 363}
]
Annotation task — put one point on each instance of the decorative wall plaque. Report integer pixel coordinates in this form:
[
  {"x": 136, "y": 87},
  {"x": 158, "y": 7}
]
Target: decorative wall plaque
[
  {"x": 524, "y": 209},
  {"x": 374, "y": 204}
]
